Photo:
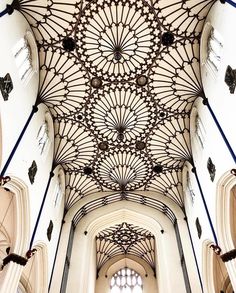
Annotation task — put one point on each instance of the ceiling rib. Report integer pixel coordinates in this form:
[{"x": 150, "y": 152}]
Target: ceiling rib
[{"x": 119, "y": 78}]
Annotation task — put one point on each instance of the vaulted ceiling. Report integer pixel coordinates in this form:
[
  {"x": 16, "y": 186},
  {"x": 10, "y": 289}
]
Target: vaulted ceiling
[
  {"x": 120, "y": 78},
  {"x": 125, "y": 239}
]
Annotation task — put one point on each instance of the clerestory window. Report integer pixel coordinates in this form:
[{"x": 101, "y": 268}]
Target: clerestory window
[
  {"x": 214, "y": 49},
  {"x": 126, "y": 281},
  {"x": 43, "y": 137},
  {"x": 23, "y": 58}
]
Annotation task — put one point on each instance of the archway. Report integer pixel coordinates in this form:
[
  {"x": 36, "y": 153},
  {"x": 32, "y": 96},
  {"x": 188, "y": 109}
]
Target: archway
[
  {"x": 15, "y": 220},
  {"x": 35, "y": 273},
  {"x": 215, "y": 274},
  {"x": 149, "y": 218},
  {"x": 226, "y": 220},
  {"x": 225, "y": 204}
]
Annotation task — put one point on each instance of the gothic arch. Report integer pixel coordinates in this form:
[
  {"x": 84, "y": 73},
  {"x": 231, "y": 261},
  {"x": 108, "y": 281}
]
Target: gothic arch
[
  {"x": 114, "y": 265},
  {"x": 207, "y": 267},
  {"x": 225, "y": 186},
  {"x": 20, "y": 216},
  {"x": 137, "y": 214},
  {"x": 36, "y": 271},
  {"x": 215, "y": 274},
  {"x": 225, "y": 220}
]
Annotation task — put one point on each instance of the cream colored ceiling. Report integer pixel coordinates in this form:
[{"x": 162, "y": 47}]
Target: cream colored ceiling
[{"x": 111, "y": 131}]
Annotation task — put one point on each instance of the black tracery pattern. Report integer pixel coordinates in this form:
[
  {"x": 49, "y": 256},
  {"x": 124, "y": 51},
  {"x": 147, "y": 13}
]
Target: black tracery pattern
[
  {"x": 121, "y": 113},
  {"x": 117, "y": 125},
  {"x": 125, "y": 239},
  {"x": 123, "y": 170},
  {"x": 117, "y": 39},
  {"x": 64, "y": 85}
]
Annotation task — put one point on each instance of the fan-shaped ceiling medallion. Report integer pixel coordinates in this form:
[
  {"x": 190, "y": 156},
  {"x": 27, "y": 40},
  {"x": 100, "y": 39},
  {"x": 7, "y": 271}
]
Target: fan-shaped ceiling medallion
[
  {"x": 121, "y": 113},
  {"x": 123, "y": 170},
  {"x": 117, "y": 39},
  {"x": 119, "y": 78}
]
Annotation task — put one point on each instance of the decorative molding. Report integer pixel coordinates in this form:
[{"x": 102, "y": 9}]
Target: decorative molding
[
  {"x": 230, "y": 78},
  {"x": 32, "y": 171},
  {"x": 211, "y": 169},
  {"x": 6, "y": 86},
  {"x": 199, "y": 228},
  {"x": 49, "y": 230}
]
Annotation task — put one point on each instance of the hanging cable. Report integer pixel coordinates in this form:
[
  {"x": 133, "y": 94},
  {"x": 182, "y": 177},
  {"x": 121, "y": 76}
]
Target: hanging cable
[{"x": 34, "y": 110}]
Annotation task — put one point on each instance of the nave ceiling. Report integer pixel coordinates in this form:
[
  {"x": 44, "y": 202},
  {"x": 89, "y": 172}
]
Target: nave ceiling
[{"x": 119, "y": 78}]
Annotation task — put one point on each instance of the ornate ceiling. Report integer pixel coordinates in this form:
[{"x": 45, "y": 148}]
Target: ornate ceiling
[
  {"x": 125, "y": 239},
  {"x": 119, "y": 78}
]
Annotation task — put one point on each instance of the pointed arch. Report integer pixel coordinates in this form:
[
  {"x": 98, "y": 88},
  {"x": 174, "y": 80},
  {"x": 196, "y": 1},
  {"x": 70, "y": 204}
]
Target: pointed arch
[
  {"x": 224, "y": 200},
  {"x": 19, "y": 214},
  {"x": 35, "y": 273},
  {"x": 215, "y": 274}
]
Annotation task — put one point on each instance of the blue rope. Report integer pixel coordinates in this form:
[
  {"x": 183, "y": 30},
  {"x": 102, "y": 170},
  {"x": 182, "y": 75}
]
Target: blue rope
[
  {"x": 221, "y": 130},
  {"x": 40, "y": 210},
  {"x": 34, "y": 110},
  {"x": 205, "y": 206},
  {"x": 5, "y": 11},
  {"x": 232, "y": 3},
  {"x": 195, "y": 257}
]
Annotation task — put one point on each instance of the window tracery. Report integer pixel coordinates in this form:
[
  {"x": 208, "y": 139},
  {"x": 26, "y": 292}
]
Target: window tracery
[
  {"x": 23, "y": 58},
  {"x": 190, "y": 188},
  {"x": 214, "y": 49},
  {"x": 58, "y": 192},
  {"x": 43, "y": 137},
  {"x": 200, "y": 132},
  {"x": 126, "y": 280}
]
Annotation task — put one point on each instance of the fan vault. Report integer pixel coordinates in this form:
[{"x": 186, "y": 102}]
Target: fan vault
[{"x": 120, "y": 78}]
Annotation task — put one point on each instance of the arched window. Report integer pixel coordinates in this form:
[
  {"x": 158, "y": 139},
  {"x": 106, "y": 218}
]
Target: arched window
[
  {"x": 189, "y": 188},
  {"x": 200, "y": 132},
  {"x": 25, "y": 56},
  {"x": 214, "y": 49},
  {"x": 43, "y": 137},
  {"x": 126, "y": 281}
]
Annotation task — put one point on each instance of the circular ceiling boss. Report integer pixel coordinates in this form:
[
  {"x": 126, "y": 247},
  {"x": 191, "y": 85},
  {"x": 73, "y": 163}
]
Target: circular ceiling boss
[
  {"x": 121, "y": 113},
  {"x": 117, "y": 40}
]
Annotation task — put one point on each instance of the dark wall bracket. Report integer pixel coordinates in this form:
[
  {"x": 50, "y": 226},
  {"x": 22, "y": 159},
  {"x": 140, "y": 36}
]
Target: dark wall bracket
[
  {"x": 20, "y": 260},
  {"x": 229, "y": 255}
]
